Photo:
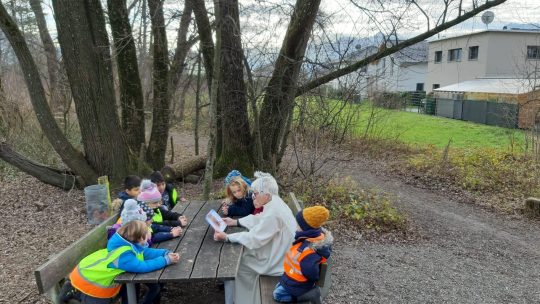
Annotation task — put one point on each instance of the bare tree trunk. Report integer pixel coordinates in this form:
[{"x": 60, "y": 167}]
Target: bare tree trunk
[
  {"x": 131, "y": 94},
  {"x": 71, "y": 157},
  {"x": 211, "y": 149},
  {"x": 278, "y": 101},
  {"x": 207, "y": 46},
  {"x": 86, "y": 53},
  {"x": 197, "y": 105},
  {"x": 182, "y": 48},
  {"x": 53, "y": 67},
  {"x": 160, "y": 116},
  {"x": 236, "y": 150},
  {"x": 51, "y": 176}
]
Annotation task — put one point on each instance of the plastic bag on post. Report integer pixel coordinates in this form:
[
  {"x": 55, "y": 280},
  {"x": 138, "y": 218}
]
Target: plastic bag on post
[{"x": 97, "y": 204}]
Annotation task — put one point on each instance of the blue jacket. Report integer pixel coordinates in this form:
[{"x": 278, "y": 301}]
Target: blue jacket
[
  {"x": 154, "y": 259},
  {"x": 309, "y": 265},
  {"x": 242, "y": 207}
]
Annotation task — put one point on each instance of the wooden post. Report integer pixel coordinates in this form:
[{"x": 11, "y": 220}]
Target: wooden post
[
  {"x": 532, "y": 206},
  {"x": 104, "y": 180}
]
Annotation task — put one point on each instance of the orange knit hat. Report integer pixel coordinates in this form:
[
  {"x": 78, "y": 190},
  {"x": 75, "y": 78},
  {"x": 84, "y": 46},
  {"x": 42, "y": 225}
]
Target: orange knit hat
[{"x": 314, "y": 217}]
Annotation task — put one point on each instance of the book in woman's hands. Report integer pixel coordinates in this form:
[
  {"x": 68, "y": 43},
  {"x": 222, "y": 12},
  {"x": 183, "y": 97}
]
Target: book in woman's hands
[{"x": 215, "y": 221}]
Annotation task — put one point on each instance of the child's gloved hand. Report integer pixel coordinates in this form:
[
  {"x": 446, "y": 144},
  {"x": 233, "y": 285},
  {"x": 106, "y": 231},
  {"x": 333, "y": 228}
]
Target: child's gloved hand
[
  {"x": 176, "y": 231},
  {"x": 174, "y": 257},
  {"x": 183, "y": 220},
  {"x": 225, "y": 209}
]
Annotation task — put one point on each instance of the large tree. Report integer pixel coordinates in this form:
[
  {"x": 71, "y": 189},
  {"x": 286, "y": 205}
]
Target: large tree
[{"x": 86, "y": 54}]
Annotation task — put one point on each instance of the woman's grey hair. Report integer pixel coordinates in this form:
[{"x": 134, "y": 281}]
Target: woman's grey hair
[{"x": 265, "y": 183}]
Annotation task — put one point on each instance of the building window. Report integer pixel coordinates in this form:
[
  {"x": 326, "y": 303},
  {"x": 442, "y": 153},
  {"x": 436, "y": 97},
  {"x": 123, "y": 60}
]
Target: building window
[
  {"x": 473, "y": 53},
  {"x": 436, "y": 86},
  {"x": 419, "y": 87},
  {"x": 438, "y": 56},
  {"x": 454, "y": 55},
  {"x": 533, "y": 52}
]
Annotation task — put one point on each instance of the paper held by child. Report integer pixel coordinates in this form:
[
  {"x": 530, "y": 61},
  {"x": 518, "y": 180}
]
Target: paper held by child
[{"x": 215, "y": 220}]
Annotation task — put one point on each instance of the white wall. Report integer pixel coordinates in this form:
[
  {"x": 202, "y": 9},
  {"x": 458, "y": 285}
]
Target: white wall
[{"x": 501, "y": 54}]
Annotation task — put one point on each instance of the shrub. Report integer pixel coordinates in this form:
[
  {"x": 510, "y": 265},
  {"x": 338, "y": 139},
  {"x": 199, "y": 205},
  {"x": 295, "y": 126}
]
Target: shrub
[{"x": 365, "y": 209}]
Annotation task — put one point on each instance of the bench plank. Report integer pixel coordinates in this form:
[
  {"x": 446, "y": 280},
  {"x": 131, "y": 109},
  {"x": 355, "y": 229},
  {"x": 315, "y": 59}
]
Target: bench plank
[
  {"x": 295, "y": 204},
  {"x": 189, "y": 209},
  {"x": 188, "y": 248},
  {"x": 229, "y": 257},
  {"x": 60, "y": 265},
  {"x": 208, "y": 259}
]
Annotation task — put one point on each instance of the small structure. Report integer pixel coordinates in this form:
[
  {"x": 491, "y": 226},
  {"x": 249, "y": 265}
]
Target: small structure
[{"x": 506, "y": 102}]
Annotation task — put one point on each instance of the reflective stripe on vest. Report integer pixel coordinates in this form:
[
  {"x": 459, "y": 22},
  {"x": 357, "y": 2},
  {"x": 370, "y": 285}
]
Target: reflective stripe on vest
[
  {"x": 158, "y": 217},
  {"x": 173, "y": 197},
  {"x": 293, "y": 258},
  {"x": 93, "y": 277}
]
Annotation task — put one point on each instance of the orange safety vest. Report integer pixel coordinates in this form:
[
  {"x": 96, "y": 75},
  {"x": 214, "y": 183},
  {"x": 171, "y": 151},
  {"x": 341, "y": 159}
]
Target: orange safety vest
[{"x": 294, "y": 257}]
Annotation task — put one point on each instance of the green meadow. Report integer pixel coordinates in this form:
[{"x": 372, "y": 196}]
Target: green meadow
[{"x": 421, "y": 130}]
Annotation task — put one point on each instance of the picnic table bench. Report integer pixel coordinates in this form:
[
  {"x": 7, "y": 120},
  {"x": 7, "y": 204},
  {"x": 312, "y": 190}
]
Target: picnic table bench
[{"x": 201, "y": 258}]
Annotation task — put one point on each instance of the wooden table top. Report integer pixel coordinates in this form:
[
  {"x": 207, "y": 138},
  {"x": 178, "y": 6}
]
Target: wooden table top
[{"x": 201, "y": 258}]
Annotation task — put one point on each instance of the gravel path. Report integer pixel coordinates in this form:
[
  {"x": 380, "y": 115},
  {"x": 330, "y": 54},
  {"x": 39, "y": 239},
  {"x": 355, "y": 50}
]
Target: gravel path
[{"x": 466, "y": 254}]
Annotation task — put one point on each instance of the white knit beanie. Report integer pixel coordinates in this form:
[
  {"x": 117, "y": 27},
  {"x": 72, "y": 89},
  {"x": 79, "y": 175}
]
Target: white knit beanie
[{"x": 132, "y": 212}]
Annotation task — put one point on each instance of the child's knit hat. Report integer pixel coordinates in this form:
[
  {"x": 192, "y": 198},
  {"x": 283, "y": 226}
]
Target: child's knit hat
[
  {"x": 149, "y": 192},
  {"x": 233, "y": 174},
  {"x": 147, "y": 210},
  {"x": 312, "y": 217},
  {"x": 132, "y": 212}
]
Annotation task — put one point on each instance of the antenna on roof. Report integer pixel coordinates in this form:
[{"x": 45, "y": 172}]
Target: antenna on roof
[{"x": 487, "y": 17}]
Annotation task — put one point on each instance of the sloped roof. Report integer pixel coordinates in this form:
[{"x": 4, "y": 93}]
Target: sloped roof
[{"x": 492, "y": 85}]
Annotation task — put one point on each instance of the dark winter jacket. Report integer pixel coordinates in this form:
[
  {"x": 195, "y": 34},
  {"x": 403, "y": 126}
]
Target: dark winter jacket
[
  {"x": 124, "y": 197},
  {"x": 160, "y": 233},
  {"x": 242, "y": 207},
  {"x": 309, "y": 265},
  {"x": 169, "y": 196},
  {"x": 169, "y": 218}
]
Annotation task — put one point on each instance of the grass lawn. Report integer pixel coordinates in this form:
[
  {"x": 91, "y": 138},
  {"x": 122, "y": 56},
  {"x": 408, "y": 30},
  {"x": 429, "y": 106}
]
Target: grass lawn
[{"x": 420, "y": 129}]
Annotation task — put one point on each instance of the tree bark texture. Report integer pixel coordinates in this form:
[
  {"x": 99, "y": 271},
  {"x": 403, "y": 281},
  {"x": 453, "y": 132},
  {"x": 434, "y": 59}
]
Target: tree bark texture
[
  {"x": 182, "y": 48},
  {"x": 86, "y": 53},
  {"x": 216, "y": 77},
  {"x": 51, "y": 176},
  {"x": 157, "y": 145},
  {"x": 207, "y": 46},
  {"x": 53, "y": 67},
  {"x": 131, "y": 93},
  {"x": 205, "y": 37},
  {"x": 278, "y": 101},
  {"x": 236, "y": 150},
  {"x": 70, "y": 156}
]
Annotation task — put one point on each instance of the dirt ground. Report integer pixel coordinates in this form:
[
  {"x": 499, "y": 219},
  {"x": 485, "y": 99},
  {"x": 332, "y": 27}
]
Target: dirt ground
[{"x": 464, "y": 253}]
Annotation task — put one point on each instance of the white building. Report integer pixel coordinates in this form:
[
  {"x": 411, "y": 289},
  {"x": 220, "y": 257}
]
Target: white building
[
  {"x": 484, "y": 54},
  {"x": 402, "y": 71}
]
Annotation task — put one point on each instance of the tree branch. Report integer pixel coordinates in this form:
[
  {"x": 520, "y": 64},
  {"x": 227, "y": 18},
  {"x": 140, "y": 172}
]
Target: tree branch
[{"x": 387, "y": 51}]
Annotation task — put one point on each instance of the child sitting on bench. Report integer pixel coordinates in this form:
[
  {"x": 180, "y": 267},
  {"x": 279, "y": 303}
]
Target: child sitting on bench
[
  {"x": 312, "y": 246},
  {"x": 126, "y": 251}
]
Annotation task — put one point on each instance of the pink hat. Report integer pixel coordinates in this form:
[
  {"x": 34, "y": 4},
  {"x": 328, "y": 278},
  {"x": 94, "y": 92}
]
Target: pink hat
[{"x": 149, "y": 192}]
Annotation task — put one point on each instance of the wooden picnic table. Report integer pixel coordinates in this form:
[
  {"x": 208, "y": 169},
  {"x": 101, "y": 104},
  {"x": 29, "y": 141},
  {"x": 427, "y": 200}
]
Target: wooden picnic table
[{"x": 201, "y": 258}]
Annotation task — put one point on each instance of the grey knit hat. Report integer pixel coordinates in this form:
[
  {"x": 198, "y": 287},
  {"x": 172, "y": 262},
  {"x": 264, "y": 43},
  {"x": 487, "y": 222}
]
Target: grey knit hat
[{"x": 132, "y": 212}]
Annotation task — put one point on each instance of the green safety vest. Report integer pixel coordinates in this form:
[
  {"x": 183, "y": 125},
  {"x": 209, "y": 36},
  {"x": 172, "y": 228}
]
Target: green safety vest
[
  {"x": 93, "y": 276},
  {"x": 174, "y": 196},
  {"x": 158, "y": 217}
]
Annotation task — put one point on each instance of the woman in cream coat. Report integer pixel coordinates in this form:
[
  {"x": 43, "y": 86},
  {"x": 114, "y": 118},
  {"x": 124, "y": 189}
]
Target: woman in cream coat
[{"x": 269, "y": 235}]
